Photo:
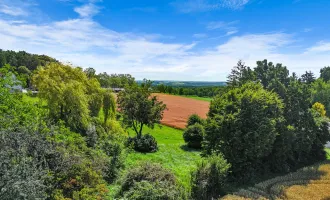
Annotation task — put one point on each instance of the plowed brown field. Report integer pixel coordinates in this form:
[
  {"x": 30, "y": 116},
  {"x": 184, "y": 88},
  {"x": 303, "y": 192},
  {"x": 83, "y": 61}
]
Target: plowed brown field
[{"x": 180, "y": 108}]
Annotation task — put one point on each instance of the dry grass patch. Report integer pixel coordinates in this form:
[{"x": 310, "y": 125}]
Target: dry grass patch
[
  {"x": 315, "y": 189},
  {"x": 307, "y": 183}
]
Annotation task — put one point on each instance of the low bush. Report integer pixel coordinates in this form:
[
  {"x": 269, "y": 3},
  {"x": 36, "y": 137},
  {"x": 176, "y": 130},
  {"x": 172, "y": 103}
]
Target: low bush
[
  {"x": 209, "y": 178},
  {"x": 193, "y": 135},
  {"x": 150, "y": 181},
  {"x": 194, "y": 119},
  {"x": 144, "y": 144}
]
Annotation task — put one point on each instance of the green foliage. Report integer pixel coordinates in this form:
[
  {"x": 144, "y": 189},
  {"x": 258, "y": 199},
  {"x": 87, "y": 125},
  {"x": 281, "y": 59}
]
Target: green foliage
[
  {"x": 90, "y": 72},
  {"x": 318, "y": 107},
  {"x": 150, "y": 181},
  {"x": 298, "y": 134},
  {"x": 23, "y": 64},
  {"x": 70, "y": 95},
  {"x": 115, "y": 80},
  {"x": 321, "y": 94},
  {"x": 173, "y": 155},
  {"x": 308, "y": 77},
  {"x": 14, "y": 113},
  {"x": 22, "y": 58},
  {"x": 267, "y": 73},
  {"x": 74, "y": 110},
  {"x": 24, "y": 160},
  {"x": 194, "y": 135},
  {"x": 109, "y": 106},
  {"x": 325, "y": 74},
  {"x": 139, "y": 108},
  {"x": 240, "y": 75},
  {"x": 194, "y": 119},
  {"x": 190, "y": 91},
  {"x": 43, "y": 159},
  {"x": 111, "y": 142},
  {"x": 144, "y": 144},
  {"x": 242, "y": 126},
  {"x": 210, "y": 177}
]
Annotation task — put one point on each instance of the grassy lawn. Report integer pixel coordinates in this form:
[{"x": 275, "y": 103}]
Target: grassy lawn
[
  {"x": 208, "y": 99},
  {"x": 172, "y": 154}
]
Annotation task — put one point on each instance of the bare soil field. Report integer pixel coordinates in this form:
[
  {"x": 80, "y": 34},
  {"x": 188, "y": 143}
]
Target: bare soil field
[{"x": 180, "y": 108}]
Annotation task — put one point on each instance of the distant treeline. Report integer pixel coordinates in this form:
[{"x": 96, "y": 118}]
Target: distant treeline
[
  {"x": 187, "y": 83},
  {"x": 23, "y": 64},
  {"x": 206, "y": 91},
  {"x": 22, "y": 58}
]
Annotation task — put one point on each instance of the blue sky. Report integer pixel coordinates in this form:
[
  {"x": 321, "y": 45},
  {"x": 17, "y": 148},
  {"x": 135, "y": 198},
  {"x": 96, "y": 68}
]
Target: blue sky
[{"x": 170, "y": 39}]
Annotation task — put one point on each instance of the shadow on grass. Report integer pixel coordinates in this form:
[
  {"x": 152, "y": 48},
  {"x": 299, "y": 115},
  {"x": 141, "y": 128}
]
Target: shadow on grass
[
  {"x": 188, "y": 149},
  {"x": 274, "y": 188}
]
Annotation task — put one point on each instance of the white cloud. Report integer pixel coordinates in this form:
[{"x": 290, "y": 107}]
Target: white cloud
[
  {"x": 87, "y": 10},
  {"x": 86, "y": 43},
  {"x": 221, "y": 25},
  {"x": 200, "y": 35},
  {"x": 320, "y": 47},
  {"x": 228, "y": 27},
  {"x": 188, "y": 6},
  {"x": 231, "y": 32},
  {"x": 13, "y": 11},
  {"x": 306, "y": 30}
]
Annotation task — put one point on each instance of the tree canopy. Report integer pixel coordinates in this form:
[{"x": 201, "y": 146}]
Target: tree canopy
[{"x": 139, "y": 107}]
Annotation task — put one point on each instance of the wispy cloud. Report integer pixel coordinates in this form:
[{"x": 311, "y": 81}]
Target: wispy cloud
[
  {"x": 307, "y": 30},
  {"x": 188, "y": 6},
  {"x": 16, "y": 8},
  {"x": 228, "y": 27},
  {"x": 200, "y": 35},
  {"x": 320, "y": 47},
  {"x": 231, "y": 32},
  {"x": 87, "y": 10},
  {"x": 13, "y": 11},
  {"x": 221, "y": 25}
]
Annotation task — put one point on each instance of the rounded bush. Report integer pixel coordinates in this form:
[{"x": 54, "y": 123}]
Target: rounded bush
[
  {"x": 144, "y": 144},
  {"x": 194, "y": 119},
  {"x": 209, "y": 178},
  {"x": 193, "y": 135},
  {"x": 150, "y": 181}
]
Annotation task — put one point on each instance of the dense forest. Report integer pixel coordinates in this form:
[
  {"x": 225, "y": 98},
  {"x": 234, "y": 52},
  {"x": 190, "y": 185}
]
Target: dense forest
[{"x": 71, "y": 141}]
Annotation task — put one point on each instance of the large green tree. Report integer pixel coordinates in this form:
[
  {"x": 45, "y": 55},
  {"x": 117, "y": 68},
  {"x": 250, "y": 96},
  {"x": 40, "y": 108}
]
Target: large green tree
[
  {"x": 139, "y": 107},
  {"x": 241, "y": 124},
  {"x": 68, "y": 93}
]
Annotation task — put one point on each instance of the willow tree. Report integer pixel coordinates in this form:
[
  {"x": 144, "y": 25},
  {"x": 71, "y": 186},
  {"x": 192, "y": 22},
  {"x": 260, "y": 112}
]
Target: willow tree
[
  {"x": 109, "y": 106},
  {"x": 68, "y": 93}
]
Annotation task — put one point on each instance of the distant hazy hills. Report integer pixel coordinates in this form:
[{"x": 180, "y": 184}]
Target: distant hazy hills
[{"x": 187, "y": 83}]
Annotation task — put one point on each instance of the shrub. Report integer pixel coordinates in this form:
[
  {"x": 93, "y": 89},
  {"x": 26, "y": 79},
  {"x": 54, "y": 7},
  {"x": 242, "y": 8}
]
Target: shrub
[
  {"x": 193, "y": 135},
  {"x": 150, "y": 181},
  {"x": 114, "y": 150},
  {"x": 144, "y": 144},
  {"x": 194, "y": 119},
  {"x": 320, "y": 108},
  {"x": 209, "y": 178}
]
